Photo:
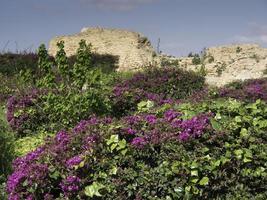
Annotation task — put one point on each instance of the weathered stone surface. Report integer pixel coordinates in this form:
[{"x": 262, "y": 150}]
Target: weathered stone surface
[
  {"x": 133, "y": 49},
  {"x": 238, "y": 62}
]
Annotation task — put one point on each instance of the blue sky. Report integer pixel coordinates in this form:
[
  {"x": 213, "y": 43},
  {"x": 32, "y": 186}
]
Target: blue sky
[{"x": 182, "y": 25}]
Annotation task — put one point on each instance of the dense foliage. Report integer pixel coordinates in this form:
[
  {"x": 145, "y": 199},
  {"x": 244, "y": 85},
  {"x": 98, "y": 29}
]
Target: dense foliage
[
  {"x": 156, "y": 134},
  {"x": 61, "y": 96},
  {"x": 203, "y": 151},
  {"x": 249, "y": 90},
  {"x": 6, "y": 155},
  {"x": 161, "y": 85},
  {"x": 13, "y": 63}
]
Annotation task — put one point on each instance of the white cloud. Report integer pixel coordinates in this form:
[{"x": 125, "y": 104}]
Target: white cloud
[
  {"x": 256, "y": 34},
  {"x": 122, "y": 5}
]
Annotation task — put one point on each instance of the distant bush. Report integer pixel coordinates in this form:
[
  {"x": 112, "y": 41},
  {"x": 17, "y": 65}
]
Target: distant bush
[
  {"x": 196, "y": 60},
  {"x": 220, "y": 68},
  {"x": 13, "y": 63},
  {"x": 238, "y": 49},
  {"x": 256, "y": 57},
  {"x": 248, "y": 90}
]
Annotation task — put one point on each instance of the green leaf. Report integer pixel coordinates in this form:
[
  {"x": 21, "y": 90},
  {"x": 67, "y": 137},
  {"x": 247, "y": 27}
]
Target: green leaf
[
  {"x": 121, "y": 144},
  {"x": 194, "y": 173},
  {"x": 246, "y": 160},
  {"x": 113, "y": 139},
  {"x": 124, "y": 151},
  {"x": 238, "y": 119},
  {"x": 244, "y": 133},
  {"x": 215, "y": 125},
  {"x": 238, "y": 152},
  {"x": 194, "y": 165},
  {"x": 113, "y": 146},
  {"x": 113, "y": 170},
  {"x": 93, "y": 190},
  {"x": 195, "y": 180},
  {"x": 204, "y": 181}
]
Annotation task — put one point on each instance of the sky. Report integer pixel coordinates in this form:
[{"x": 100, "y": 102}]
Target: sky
[{"x": 183, "y": 26}]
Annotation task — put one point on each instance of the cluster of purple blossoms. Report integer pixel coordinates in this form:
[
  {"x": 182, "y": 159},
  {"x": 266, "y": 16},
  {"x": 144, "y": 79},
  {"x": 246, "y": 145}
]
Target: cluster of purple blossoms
[
  {"x": 133, "y": 119},
  {"x": 20, "y": 103},
  {"x": 139, "y": 142},
  {"x": 151, "y": 119},
  {"x": 160, "y": 129},
  {"x": 76, "y": 160},
  {"x": 130, "y": 131},
  {"x": 23, "y": 162},
  {"x": 82, "y": 125},
  {"x": 249, "y": 90},
  {"x": 193, "y": 128},
  {"x": 255, "y": 89},
  {"x": 62, "y": 137},
  {"x": 171, "y": 114},
  {"x": 30, "y": 175},
  {"x": 70, "y": 185}
]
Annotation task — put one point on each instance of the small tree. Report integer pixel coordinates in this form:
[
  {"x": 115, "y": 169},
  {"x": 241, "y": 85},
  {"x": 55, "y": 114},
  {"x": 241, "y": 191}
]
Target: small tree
[
  {"x": 83, "y": 64},
  {"x": 62, "y": 63},
  {"x": 45, "y": 66}
]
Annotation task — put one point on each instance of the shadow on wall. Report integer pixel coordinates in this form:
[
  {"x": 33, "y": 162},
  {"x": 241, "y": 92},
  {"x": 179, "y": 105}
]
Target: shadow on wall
[{"x": 106, "y": 62}]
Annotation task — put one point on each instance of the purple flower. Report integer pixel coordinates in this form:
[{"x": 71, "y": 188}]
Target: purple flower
[
  {"x": 131, "y": 120},
  {"x": 62, "y": 137},
  {"x": 22, "y": 162},
  {"x": 166, "y": 101},
  {"x": 193, "y": 127},
  {"x": 48, "y": 196},
  {"x": 83, "y": 125},
  {"x": 14, "y": 180},
  {"x": 139, "y": 142},
  {"x": 76, "y": 160},
  {"x": 130, "y": 131},
  {"x": 29, "y": 197},
  {"x": 151, "y": 119},
  {"x": 176, "y": 123},
  {"x": 13, "y": 197},
  {"x": 89, "y": 141},
  {"x": 171, "y": 114},
  {"x": 70, "y": 185},
  {"x": 184, "y": 136},
  {"x": 255, "y": 89}
]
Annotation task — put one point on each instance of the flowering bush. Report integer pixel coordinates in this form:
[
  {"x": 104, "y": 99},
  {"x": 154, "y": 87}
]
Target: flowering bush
[
  {"x": 162, "y": 85},
  {"x": 176, "y": 152},
  {"x": 249, "y": 90},
  {"x": 20, "y": 109}
]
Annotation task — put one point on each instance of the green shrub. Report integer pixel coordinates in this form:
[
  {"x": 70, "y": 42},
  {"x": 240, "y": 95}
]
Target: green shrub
[
  {"x": 64, "y": 94},
  {"x": 29, "y": 143},
  {"x": 13, "y": 63},
  {"x": 6, "y": 149},
  {"x": 220, "y": 68},
  {"x": 238, "y": 49},
  {"x": 196, "y": 60}
]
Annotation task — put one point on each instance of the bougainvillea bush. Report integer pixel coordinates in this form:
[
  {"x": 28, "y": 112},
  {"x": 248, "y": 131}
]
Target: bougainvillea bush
[
  {"x": 62, "y": 95},
  {"x": 249, "y": 90},
  {"x": 161, "y": 85},
  {"x": 211, "y": 150}
]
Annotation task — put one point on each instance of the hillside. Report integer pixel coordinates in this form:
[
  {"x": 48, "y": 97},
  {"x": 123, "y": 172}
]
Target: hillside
[{"x": 231, "y": 62}]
